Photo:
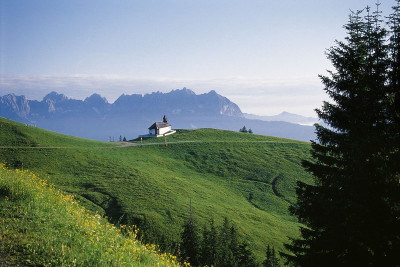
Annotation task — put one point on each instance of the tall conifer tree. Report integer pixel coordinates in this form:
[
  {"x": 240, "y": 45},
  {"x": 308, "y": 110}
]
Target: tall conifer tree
[
  {"x": 213, "y": 243},
  {"x": 245, "y": 257},
  {"x": 394, "y": 118},
  {"x": 225, "y": 255},
  {"x": 205, "y": 251},
  {"x": 190, "y": 241},
  {"x": 271, "y": 259},
  {"x": 352, "y": 210},
  {"x": 209, "y": 245},
  {"x": 394, "y": 75}
]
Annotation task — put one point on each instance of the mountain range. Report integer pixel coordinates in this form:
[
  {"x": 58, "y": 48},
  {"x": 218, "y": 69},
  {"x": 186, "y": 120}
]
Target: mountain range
[
  {"x": 131, "y": 115},
  {"x": 284, "y": 116}
]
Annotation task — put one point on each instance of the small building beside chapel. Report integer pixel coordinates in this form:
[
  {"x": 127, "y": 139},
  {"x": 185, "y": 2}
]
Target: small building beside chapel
[{"x": 158, "y": 129}]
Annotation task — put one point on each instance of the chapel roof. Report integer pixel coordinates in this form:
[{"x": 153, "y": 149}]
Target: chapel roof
[{"x": 158, "y": 125}]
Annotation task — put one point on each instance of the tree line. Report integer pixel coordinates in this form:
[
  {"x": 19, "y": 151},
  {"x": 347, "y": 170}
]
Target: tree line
[
  {"x": 244, "y": 130},
  {"x": 215, "y": 245},
  {"x": 202, "y": 245}
]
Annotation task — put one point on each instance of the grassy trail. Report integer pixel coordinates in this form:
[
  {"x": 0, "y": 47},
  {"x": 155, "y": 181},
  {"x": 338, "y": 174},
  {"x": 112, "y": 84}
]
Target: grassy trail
[{"x": 129, "y": 144}]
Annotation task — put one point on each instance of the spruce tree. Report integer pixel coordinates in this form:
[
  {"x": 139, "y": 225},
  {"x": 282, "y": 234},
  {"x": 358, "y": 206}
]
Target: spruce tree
[
  {"x": 207, "y": 255},
  {"x": 213, "y": 239},
  {"x": 351, "y": 212},
  {"x": 394, "y": 77},
  {"x": 234, "y": 243},
  {"x": 189, "y": 246},
  {"x": 208, "y": 250},
  {"x": 394, "y": 130},
  {"x": 271, "y": 260},
  {"x": 205, "y": 247},
  {"x": 225, "y": 256},
  {"x": 244, "y": 255}
]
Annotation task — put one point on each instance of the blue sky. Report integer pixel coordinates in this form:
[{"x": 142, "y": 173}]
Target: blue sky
[{"x": 264, "y": 55}]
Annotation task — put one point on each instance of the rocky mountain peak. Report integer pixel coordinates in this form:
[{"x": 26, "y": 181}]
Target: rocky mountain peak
[
  {"x": 96, "y": 99},
  {"x": 55, "y": 97},
  {"x": 183, "y": 91},
  {"x": 17, "y": 104}
]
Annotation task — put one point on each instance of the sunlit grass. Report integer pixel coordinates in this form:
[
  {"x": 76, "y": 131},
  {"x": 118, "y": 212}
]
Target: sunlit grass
[
  {"x": 15, "y": 134},
  {"x": 42, "y": 226},
  {"x": 223, "y": 173}
]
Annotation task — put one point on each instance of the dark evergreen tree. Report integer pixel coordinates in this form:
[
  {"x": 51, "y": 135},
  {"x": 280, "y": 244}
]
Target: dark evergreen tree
[
  {"x": 394, "y": 47},
  {"x": 223, "y": 247},
  {"x": 234, "y": 241},
  {"x": 189, "y": 247},
  {"x": 124, "y": 139},
  {"x": 250, "y": 131},
  {"x": 271, "y": 260},
  {"x": 352, "y": 210},
  {"x": 213, "y": 237},
  {"x": 225, "y": 256},
  {"x": 394, "y": 81},
  {"x": 251, "y": 196},
  {"x": 393, "y": 138},
  {"x": 208, "y": 245},
  {"x": 205, "y": 247},
  {"x": 243, "y": 130},
  {"x": 244, "y": 255}
]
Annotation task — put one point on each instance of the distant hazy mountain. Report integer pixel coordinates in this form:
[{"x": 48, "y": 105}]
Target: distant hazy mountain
[
  {"x": 131, "y": 115},
  {"x": 178, "y": 102},
  {"x": 284, "y": 116}
]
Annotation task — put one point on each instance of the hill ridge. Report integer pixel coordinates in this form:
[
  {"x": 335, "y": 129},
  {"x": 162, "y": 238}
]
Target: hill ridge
[
  {"x": 131, "y": 115},
  {"x": 150, "y": 185}
]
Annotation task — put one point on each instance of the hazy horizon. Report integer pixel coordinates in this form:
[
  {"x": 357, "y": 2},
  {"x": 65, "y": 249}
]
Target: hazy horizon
[{"x": 263, "y": 55}]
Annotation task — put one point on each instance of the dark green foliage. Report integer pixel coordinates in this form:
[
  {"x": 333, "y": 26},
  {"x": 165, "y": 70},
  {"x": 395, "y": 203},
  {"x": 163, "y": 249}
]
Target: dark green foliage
[
  {"x": 394, "y": 49},
  {"x": 152, "y": 232},
  {"x": 229, "y": 252},
  {"x": 271, "y": 260},
  {"x": 189, "y": 247},
  {"x": 124, "y": 139},
  {"x": 225, "y": 243},
  {"x": 205, "y": 247},
  {"x": 219, "y": 246},
  {"x": 352, "y": 211},
  {"x": 245, "y": 256},
  {"x": 394, "y": 79},
  {"x": 251, "y": 196},
  {"x": 209, "y": 245},
  {"x": 244, "y": 130}
]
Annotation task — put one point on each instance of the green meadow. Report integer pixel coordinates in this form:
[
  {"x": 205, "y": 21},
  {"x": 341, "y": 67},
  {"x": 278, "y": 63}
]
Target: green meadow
[
  {"x": 248, "y": 178},
  {"x": 42, "y": 226}
]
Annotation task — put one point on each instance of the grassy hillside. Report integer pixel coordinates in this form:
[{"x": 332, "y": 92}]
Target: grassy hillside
[
  {"x": 43, "y": 227},
  {"x": 20, "y": 134},
  {"x": 248, "y": 178}
]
